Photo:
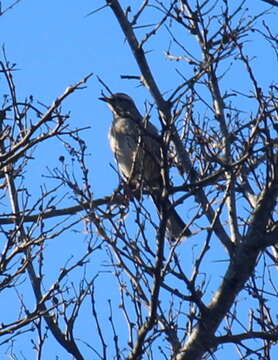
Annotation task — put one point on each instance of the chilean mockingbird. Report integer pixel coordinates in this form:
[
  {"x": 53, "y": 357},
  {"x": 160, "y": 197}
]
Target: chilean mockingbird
[{"x": 134, "y": 142}]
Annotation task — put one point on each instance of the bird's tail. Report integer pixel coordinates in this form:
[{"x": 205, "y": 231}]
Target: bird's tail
[{"x": 176, "y": 228}]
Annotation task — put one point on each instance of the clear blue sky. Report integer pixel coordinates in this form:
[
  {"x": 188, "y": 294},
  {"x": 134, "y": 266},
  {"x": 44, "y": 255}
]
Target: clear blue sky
[{"x": 54, "y": 45}]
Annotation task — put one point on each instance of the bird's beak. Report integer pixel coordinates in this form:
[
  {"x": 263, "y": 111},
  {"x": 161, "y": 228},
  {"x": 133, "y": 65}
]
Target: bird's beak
[{"x": 106, "y": 99}]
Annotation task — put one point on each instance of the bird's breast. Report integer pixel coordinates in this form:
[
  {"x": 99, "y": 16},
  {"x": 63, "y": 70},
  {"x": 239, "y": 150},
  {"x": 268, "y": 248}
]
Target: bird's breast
[{"x": 123, "y": 138}]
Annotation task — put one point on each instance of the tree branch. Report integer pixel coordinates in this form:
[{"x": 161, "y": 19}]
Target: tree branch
[
  {"x": 239, "y": 270},
  {"x": 50, "y": 213}
]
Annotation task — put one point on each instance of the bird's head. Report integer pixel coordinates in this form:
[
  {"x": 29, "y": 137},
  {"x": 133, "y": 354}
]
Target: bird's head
[{"x": 121, "y": 104}]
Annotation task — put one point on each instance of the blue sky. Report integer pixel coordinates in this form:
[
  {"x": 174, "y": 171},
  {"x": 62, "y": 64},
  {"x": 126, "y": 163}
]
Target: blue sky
[{"x": 54, "y": 45}]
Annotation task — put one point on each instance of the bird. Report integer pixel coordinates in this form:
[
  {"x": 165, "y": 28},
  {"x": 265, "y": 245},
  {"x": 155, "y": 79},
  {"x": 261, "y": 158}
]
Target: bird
[{"x": 136, "y": 145}]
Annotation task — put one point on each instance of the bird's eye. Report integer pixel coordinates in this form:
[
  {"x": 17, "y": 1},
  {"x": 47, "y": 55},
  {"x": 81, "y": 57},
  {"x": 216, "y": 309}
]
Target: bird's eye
[{"x": 124, "y": 102}]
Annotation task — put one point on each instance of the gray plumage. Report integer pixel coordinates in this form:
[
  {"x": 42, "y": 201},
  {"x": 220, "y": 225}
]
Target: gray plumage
[{"x": 134, "y": 142}]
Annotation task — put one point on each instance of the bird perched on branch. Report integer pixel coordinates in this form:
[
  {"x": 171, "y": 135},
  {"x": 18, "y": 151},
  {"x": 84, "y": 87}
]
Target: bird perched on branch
[{"x": 137, "y": 150}]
